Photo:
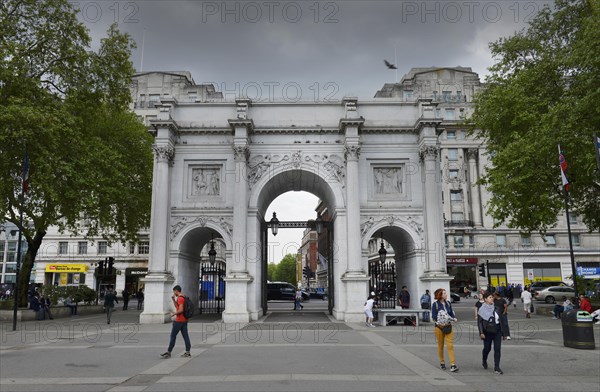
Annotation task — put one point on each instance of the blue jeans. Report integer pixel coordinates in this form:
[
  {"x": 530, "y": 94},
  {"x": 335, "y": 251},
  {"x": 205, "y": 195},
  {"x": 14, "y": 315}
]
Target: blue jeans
[
  {"x": 183, "y": 327},
  {"x": 487, "y": 346},
  {"x": 425, "y": 314},
  {"x": 298, "y": 304}
]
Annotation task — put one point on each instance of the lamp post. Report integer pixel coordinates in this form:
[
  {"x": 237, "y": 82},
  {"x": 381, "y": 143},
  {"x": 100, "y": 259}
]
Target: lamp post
[
  {"x": 212, "y": 253},
  {"x": 382, "y": 251},
  {"x": 319, "y": 225},
  {"x": 274, "y": 224}
]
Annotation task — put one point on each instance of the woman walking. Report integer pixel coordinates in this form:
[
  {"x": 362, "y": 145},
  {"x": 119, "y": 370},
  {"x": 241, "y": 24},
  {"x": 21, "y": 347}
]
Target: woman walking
[
  {"x": 443, "y": 315},
  {"x": 490, "y": 331}
]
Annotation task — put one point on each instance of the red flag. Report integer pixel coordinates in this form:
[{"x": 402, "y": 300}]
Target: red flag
[{"x": 563, "y": 168}]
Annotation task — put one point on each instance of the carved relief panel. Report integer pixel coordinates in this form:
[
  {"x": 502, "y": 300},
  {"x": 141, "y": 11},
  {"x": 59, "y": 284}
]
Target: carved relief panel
[{"x": 388, "y": 181}]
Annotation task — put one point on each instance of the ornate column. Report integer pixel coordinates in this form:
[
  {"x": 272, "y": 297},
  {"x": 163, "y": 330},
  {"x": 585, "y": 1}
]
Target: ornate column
[
  {"x": 472, "y": 154},
  {"x": 355, "y": 278},
  {"x": 434, "y": 272},
  {"x": 237, "y": 277},
  {"x": 159, "y": 280}
]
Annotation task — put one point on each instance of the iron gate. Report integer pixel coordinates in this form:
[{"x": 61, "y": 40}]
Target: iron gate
[
  {"x": 212, "y": 288},
  {"x": 383, "y": 283}
]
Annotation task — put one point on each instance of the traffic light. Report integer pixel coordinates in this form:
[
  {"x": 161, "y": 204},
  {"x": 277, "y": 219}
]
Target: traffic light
[
  {"x": 481, "y": 270},
  {"x": 111, "y": 262},
  {"x": 306, "y": 271},
  {"x": 101, "y": 268}
]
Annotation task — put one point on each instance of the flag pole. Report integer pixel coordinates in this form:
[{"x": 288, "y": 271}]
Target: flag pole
[
  {"x": 573, "y": 269},
  {"x": 20, "y": 240}
]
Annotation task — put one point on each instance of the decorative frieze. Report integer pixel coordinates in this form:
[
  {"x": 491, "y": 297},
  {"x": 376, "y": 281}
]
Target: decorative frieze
[
  {"x": 206, "y": 182},
  {"x": 388, "y": 180},
  {"x": 414, "y": 222},
  {"x": 178, "y": 223},
  {"x": 351, "y": 152},
  {"x": 429, "y": 152},
  {"x": 241, "y": 153}
]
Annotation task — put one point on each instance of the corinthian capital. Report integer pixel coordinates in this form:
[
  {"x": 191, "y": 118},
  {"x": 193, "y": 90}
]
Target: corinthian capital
[
  {"x": 429, "y": 152},
  {"x": 351, "y": 152},
  {"x": 164, "y": 153},
  {"x": 241, "y": 153},
  {"x": 472, "y": 153}
]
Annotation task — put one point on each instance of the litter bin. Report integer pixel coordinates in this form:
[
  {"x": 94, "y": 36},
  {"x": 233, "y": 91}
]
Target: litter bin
[{"x": 578, "y": 330}]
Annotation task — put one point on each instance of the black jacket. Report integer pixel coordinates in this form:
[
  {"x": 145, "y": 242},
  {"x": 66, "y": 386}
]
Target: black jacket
[{"x": 480, "y": 323}]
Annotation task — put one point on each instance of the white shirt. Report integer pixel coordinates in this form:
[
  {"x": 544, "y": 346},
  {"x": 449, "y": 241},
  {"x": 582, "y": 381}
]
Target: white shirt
[
  {"x": 369, "y": 304},
  {"x": 526, "y": 296}
]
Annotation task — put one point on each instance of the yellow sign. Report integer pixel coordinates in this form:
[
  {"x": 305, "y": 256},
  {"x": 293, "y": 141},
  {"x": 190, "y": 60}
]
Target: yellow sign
[
  {"x": 63, "y": 279},
  {"x": 556, "y": 279},
  {"x": 66, "y": 268},
  {"x": 496, "y": 280}
]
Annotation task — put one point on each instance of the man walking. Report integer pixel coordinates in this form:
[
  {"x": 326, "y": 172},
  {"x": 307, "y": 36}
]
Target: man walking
[
  {"x": 125, "y": 298},
  {"x": 140, "y": 299},
  {"x": 298, "y": 300},
  {"x": 180, "y": 323},
  {"x": 110, "y": 299}
]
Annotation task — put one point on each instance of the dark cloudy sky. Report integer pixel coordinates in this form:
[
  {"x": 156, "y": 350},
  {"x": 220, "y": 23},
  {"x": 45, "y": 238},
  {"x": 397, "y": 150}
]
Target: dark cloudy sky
[{"x": 308, "y": 50}]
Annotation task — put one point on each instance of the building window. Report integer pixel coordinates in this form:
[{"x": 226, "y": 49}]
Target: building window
[
  {"x": 11, "y": 268},
  {"x": 446, "y": 240},
  {"x": 501, "y": 239},
  {"x": 154, "y": 99},
  {"x": 144, "y": 247},
  {"x": 456, "y": 196},
  {"x": 142, "y": 101},
  {"x": 438, "y": 113},
  {"x": 192, "y": 96},
  {"x": 575, "y": 239},
  {"x": 459, "y": 95},
  {"x": 458, "y": 241},
  {"x": 461, "y": 135},
  {"x": 453, "y": 173},
  {"x": 471, "y": 241},
  {"x": 131, "y": 248},
  {"x": 446, "y": 96},
  {"x": 450, "y": 114},
  {"x": 550, "y": 240},
  {"x": 457, "y": 216},
  {"x": 102, "y": 247},
  {"x": 63, "y": 248},
  {"x": 407, "y": 94},
  {"x": 453, "y": 154},
  {"x": 526, "y": 240},
  {"x": 572, "y": 218},
  {"x": 82, "y": 248},
  {"x": 451, "y": 135}
]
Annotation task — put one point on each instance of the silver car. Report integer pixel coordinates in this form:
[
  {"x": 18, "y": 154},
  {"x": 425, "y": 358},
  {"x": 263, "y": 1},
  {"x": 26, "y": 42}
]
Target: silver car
[{"x": 551, "y": 294}]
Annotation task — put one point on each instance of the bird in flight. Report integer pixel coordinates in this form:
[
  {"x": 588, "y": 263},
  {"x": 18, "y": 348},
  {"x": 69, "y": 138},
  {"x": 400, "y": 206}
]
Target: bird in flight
[{"x": 389, "y": 65}]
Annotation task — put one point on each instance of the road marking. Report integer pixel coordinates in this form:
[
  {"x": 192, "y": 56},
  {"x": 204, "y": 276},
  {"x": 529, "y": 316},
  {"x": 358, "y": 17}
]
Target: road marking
[
  {"x": 63, "y": 381},
  {"x": 288, "y": 377}
]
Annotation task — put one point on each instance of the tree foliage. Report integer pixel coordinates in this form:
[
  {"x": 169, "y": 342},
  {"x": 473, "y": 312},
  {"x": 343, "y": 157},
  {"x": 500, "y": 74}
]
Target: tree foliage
[
  {"x": 68, "y": 106},
  {"x": 543, "y": 91},
  {"x": 271, "y": 270},
  {"x": 286, "y": 270}
]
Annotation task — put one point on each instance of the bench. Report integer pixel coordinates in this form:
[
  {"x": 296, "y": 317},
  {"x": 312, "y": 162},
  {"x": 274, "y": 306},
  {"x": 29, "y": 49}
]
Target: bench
[{"x": 396, "y": 313}]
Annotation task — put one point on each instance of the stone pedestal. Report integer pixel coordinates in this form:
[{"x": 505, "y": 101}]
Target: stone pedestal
[
  {"x": 159, "y": 288},
  {"x": 356, "y": 290},
  {"x": 236, "y": 300}
]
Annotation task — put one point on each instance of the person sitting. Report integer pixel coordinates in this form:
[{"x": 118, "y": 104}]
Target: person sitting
[
  {"x": 71, "y": 305},
  {"x": 584, "y": 303},
  {"x": 559, "y": 309}
]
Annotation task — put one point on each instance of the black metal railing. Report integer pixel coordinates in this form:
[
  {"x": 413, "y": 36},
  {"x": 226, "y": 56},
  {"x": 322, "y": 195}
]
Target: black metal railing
[
  {"x": 212, "y": 288},
  {"x": 383, "y": 283}
]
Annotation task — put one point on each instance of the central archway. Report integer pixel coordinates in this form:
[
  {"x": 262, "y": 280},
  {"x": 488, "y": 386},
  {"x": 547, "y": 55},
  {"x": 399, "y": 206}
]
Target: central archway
[{"x": 262, "y": 194}]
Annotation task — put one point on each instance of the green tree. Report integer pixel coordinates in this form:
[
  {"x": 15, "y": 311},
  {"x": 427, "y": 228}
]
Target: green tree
[
  {"x": 271, "y": 271},
  {"x": 286, "y": 270},
  {"x": 89, "y": 156},
  {"x": 543, "y": 91}
]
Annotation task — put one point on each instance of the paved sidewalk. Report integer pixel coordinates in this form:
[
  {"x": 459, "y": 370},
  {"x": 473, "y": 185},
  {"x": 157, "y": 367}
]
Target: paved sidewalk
[{"x": 291, "y": 351}]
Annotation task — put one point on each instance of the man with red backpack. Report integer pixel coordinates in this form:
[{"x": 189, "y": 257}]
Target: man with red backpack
[{"x": 180, "y": 323}]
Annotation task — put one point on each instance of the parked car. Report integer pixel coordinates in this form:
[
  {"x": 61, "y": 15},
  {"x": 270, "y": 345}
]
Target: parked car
[
  {"x": 454, "y": 297},
  {"x": 539, "y": 286},
  {"x": 551, "y": 294},
  {"x": 283, "y": 291},
  {"x": 316, "y": 293}
]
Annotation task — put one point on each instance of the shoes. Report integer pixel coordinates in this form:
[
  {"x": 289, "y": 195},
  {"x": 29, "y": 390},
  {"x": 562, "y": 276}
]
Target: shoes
[
  {"x": 453, "y": 368},
  {"x": 186, "y": 354},
  {"x": 598, "y": 323},
  {"x": 442, "y": 366},
  {"x": 508, "y": 338},
  {"x": 528, "y": 315},
  {"x": 372, "y": 326},
  {"x": 108, "y": 322},
  {"x": 166, "y": 355},
  {"x": 498, "y": 371},
  {"x": 554, "y": 318},
  {"x": 484, "y": 364}
]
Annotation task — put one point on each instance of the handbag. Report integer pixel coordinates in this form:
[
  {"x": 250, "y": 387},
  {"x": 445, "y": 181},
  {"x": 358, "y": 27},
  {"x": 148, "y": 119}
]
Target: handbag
[
  {"x": 489, "y": 326},
  {"x": 446, "y": 329}
]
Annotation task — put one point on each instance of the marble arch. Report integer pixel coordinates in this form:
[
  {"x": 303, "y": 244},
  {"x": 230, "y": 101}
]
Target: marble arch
[{"x": 218, "y": 165}]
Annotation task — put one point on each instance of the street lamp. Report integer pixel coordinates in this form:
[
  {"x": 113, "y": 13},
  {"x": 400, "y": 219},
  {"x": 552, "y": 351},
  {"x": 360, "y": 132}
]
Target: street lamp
[
  {"x": 274, "y": 224},
  {"x": 319, "y": 225},
  {"x": 382, "y": 251},
  {"x": 212, "y": 253}
]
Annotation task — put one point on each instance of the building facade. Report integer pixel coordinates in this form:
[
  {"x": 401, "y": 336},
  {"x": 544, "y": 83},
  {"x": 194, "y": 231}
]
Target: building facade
[{"x": 471, "y": 235}]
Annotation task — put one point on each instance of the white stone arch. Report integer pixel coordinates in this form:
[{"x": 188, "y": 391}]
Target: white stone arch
[
  {"x": 209, "y": 224},
  {"x": 304, "y": 177},
  {"x": 300, "y": 177},
  {"x": 381, "y": 225}
]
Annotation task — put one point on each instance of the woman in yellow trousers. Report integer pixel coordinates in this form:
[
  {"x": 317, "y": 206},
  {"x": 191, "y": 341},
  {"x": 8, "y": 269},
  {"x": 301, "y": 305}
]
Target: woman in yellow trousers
[{"x": 443, "y": 315}]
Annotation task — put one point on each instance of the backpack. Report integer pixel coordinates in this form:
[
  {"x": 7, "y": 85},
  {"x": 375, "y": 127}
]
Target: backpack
[{"x": 188, "y": 307}]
